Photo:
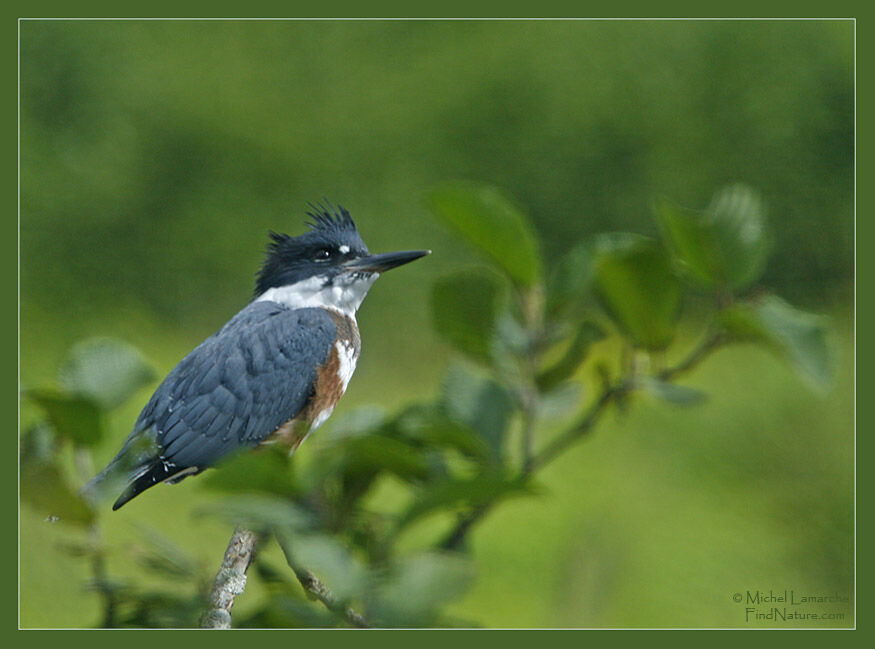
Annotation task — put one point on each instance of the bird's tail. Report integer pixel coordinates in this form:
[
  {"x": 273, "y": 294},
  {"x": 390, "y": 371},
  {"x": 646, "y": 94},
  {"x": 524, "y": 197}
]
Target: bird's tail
[
  {"x": 150, "y": 475},
  {"x": 138, "y": 455}
]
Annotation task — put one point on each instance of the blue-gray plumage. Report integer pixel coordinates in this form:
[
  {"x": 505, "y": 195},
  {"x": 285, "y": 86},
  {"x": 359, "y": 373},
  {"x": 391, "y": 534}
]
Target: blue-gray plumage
[{"x": 274, "y": 371}]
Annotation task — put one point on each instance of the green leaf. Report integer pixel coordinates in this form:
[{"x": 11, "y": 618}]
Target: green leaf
[
  {"x": 157, "y": 610},
  {"x": 45, "y": 488},
  {"x": 351, "y": 424},
  {"x": 494, "y": 224},
  {"x": 285, "y": 612},
  {"x": 464, "y": 310},
  {"x": 327, "y": 559},
  {"x": 106, "y": 371},
  {"x": 680, "y": 395},
  {"x": 73, "y": 417},
  {"x": 479, "y": 403},
  {"x": 375, "y": 453},
  {"x": 37, "y": 445},
  {"x": 511, "y": 337},
  {"x": 268, "y": 470},
  {"x": 571, "y": 280},
  {"x": 158, "y": 554},
  {"x": 587, "y": 334},
  {"x": 726, "y": 245},
  {"x": 258, "y": 512},
  {"x": 276, "y": 580},
  {"x": 796, "y": 335},
  {"x": 559, "y": 402},
  {"x": 418, "y": 585},
  {"x": 511, "y": 344},
  {"x": 430, "y": 425},
  {"x": 453, "y": 493},
  {"x": 635, "y": 282}
]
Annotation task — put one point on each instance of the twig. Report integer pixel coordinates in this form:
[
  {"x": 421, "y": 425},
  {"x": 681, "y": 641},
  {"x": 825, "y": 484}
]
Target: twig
[
  {"x": 559, "y": 444},
  {"x": 84, "y": 466},
  {"x": 710, "y": 343},
  {"x": 101, "y": 578},
  {"x": 231, "y": 579},
  {"x": 581, "y": 428},
  {"x": 315, "y": 589},
  {"x": 532, "y": 307},
  {"x": 556, "y": 447},
  {"x": 528, "y": 400},
  {"x": 456, "y": 537}
]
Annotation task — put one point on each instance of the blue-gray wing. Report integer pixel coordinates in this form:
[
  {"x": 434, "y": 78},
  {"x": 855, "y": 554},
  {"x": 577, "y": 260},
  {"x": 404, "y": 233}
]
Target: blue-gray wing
[
  {"x": 233, "y": 391},
  {"x": 240, "y": 385}
]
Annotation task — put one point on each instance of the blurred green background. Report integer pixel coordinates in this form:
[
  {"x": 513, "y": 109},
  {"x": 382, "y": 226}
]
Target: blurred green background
[{"x": 156, "y": 155}]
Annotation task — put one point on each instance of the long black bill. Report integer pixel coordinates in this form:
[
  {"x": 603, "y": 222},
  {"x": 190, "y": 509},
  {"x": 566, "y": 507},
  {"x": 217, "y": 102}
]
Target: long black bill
[{"x": 384, "y": 262}]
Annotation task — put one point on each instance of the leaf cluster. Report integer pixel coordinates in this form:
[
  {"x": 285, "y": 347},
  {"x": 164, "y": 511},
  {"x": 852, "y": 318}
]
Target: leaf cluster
[{"x": 541, "y": 353}]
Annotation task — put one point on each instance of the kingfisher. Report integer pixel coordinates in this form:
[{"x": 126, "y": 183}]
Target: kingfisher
[{"x": 273, "y": 373}]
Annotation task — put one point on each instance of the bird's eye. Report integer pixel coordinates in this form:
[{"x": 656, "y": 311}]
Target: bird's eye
[{"x": 323, "y": 254}]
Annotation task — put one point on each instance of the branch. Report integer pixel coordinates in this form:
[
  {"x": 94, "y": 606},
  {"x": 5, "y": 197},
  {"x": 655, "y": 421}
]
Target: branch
[
  {"x": 558, "y": 445},
  {"x": 230, "y": 580},
  {"x": 579, "y": 430},
  {"x": 709, "y": 344},
  {"x": 315, "y": 589},
  {"x": 457, "y": 535},
  {"x": 528, "y": 399},
  {"x": 532, "y": 307}
]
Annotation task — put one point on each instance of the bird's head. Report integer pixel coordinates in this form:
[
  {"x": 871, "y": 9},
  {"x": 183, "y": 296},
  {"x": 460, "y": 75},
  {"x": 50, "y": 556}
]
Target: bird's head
[{"x": 329, "y": 266}]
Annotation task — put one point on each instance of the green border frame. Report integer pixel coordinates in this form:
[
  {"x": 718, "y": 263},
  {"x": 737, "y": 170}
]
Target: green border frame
[{"x": 9, "y": 261}]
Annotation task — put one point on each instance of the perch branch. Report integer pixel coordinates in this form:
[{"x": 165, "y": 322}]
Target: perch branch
[{"x": 230, "y": 580}]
